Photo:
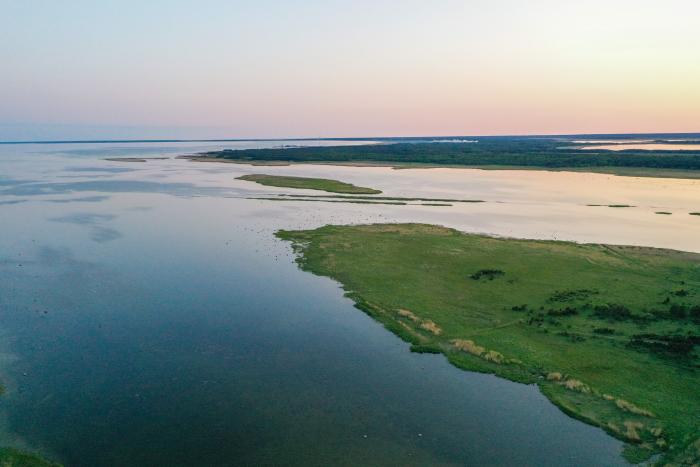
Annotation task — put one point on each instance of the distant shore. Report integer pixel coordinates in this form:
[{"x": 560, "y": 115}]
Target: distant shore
[
  {"x": 675, "y": 159},
  {"x": 618, "y": 171}
]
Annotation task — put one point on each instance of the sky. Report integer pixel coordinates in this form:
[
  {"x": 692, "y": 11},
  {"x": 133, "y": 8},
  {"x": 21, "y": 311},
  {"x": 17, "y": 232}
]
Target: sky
[{"x": 86, "y": 69}]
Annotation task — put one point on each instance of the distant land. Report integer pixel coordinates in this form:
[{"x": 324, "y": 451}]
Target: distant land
[{"x": 650, "y": 155}]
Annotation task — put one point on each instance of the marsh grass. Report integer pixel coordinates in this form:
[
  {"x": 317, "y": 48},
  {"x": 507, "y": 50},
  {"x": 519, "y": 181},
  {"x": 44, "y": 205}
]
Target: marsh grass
[
  {"x": 323, "y": 184},
  {"x": 391, "y": 198},
  {"x": 316, "y": 200},
  {"x": 10, "y": 457}
]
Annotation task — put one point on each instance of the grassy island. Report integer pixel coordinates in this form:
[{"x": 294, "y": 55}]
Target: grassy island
[
  {"x": 323, "y": 184},
  {"x": 610, "y": 334}
]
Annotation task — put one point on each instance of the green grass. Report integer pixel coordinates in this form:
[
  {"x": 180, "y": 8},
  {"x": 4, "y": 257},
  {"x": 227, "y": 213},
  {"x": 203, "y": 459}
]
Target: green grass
[
  {"x": 609, "y": 333},
  {"x": 10, "y": 457},
  {"x": 323, "y": 184}
]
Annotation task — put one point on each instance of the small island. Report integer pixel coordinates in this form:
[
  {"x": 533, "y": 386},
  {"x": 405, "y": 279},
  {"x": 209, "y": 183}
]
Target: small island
[
  {"x": 134, "y": 159},
  {"x": 609, "y": 333},
  {"x": 321, "y": 184}
]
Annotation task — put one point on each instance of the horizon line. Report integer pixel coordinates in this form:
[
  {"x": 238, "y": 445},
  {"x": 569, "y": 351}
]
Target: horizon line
[{"x": 340, "y": 138}]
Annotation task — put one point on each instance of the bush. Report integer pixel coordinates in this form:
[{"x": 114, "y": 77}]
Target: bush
[
  {"x": 567, "y": 311},
  {"x": 571, "y": 295},
  {"x": 671, "y": 345},
  {"x": 613, "y": 312},
  {"x": 677, "y": 311},
  {"x": 489, "y": 274},
  {"x": 695, "y": 313}
]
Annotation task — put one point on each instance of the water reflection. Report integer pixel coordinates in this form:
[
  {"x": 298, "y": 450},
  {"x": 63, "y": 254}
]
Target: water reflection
[{"x": 98, "y": 232}]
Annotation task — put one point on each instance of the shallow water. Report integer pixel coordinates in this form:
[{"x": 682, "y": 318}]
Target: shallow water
[
  {"x": 646, "y": 147},
  {"x": 149, "y": 317},
  {"x": 611, "y": 141}
]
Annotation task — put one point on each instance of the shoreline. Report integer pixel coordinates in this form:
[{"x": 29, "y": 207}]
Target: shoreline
[
  {"x": 635, "y": 172},
  {"x": 430, "y": 325}
]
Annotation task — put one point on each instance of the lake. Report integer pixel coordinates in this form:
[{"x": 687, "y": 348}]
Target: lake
[{"x": 150, "y": 317}]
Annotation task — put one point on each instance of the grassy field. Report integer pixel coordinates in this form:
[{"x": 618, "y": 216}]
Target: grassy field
[
  {"x": 323, "y": 184},
  {"x": 609, "y": 333}
]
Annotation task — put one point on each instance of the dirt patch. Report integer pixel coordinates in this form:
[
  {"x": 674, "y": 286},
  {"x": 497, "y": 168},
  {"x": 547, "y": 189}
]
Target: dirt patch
[
  {"x": 468, "y": 346},
  {"x": 407, "y": 314},
  {"x": 431, "y": 327},
  {"x": 633, "y": 428},
  {"x": 630, "y": 407},
  {"x": 576, "y": 385}
]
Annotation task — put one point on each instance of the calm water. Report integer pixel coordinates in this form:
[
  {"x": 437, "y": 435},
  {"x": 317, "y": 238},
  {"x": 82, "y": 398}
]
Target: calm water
[
  {"x": 646, "y": 147},
  {"x": 149, "y": 317}
]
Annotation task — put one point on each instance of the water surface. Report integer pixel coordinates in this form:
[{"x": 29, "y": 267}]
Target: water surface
[
  {"x": 646, "y": 147},
  {"x": 148, "y": 316}
]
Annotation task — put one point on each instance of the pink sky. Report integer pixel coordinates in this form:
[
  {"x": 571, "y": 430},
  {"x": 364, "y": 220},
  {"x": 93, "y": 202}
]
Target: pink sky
[{"x": 279, "y": 69}]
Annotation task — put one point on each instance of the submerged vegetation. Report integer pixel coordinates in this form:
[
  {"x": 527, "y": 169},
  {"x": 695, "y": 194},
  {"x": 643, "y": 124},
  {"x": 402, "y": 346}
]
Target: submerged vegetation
[
  {"x": 10, "y": 457},
  {"x": 357, "y": 199},
  {"x": 390, "y": 198},
  {"x": 351, "y": 193},
  {"x": 324, "y": 200},
  {"x": 610, "y": 334},
  {"x": 323, "y": 184},
  {"x": 489, "y": 152}
]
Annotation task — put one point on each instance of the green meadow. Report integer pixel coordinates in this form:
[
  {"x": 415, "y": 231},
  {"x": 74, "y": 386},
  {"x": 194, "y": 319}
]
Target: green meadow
[
  {"x": 610, "y": 334},
  {"x": 323, "y": 184}
]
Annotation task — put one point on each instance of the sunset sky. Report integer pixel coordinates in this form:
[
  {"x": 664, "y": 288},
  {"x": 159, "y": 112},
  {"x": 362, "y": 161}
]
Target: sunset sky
[{"x": 215, "y": 68}]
